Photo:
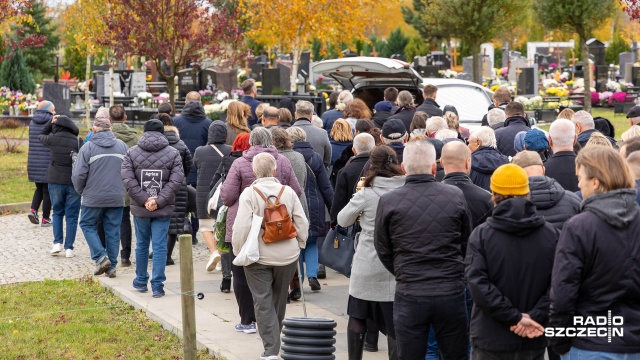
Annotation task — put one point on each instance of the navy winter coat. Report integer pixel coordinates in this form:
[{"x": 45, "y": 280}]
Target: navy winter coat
[
  {"x": 506, "y": 135},
  {"x": 484, "y": 161},
  {"x": 176, "y": 227},
  {"x": 39, "y": 155},
  {"x": 193, "y": 126}
]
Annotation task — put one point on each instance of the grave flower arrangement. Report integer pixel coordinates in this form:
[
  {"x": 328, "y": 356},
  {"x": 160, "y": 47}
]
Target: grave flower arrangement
[
  {"x": 216, "y": 111},
  {"x": 206, "y": 95},
  {"x": 145, "y": 97}
]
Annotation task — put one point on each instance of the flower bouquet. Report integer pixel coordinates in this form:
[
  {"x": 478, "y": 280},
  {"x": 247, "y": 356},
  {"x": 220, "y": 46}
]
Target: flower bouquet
[
  {"x": 145, "y": 97},
  {"x": 206, "y": 96},
  {"x": 217, "y": 111}
]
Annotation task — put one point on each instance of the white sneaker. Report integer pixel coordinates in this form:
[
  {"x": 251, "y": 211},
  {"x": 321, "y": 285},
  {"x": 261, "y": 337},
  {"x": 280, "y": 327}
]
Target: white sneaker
[
  {"x": 69, "y": 253},
  {"x": 268, "y": 357},
  {"x": 56, "y": 248},
  {"x": 214, "y": 259},
  {"x": 219, "y": 266}
]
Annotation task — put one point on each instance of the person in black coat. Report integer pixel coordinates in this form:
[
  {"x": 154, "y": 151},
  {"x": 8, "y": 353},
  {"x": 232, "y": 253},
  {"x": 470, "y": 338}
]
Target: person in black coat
[
  {"x": 383, "y": 112},
  {"x": 406, "y": 109},
  {"x": 348, "y": 177},
  {"x": 596, "y": 272},
  {"x": 516, "y": 121},
  {"x": 420, "y": 236},
  {"x": 429, "y": 105},
  {"x": 586, "y": 126},
  {"x": 37, "y": 163},
  {"x": 561, "y": 166},
  {"x": 60, "y": 135},
  {"x": 508, "y": 268},
  {"x": 485, "y": 158},
  {"x": 456, "y": 161}
]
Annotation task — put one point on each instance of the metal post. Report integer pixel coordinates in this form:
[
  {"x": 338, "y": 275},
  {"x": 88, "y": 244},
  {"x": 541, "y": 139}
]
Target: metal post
[{"x": 187, "y": 297}]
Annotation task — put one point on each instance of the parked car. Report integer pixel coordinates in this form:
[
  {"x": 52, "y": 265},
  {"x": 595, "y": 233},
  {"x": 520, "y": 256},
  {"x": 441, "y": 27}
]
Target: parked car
[{"x": 367, "y": 77}]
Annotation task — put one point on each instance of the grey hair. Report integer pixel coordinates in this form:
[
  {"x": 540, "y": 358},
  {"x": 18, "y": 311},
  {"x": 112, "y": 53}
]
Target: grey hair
[
  {"x": 317, "y": 121},
  {"x": 496, "y": 116},
  {"x": 418, "y": 157},
  {"x": 364, "y": 143},
  {"x": 435, "y": 124},
  {"x": 304, "y": 108},
  {"x": 562, "y": 133},
  {"x": 261, "y": 136},
  {"x": 446, "y": 134},
  {"x": 585, "y": 119},
  {"x": 399, "y": 140},
  {"x": 344, "y": 98},
  {"x": 486, "y": 135},
  {"x": 297, "y": 134},
  {"x": 405, "y": 98},
  {"x": 263, "y": 165}
]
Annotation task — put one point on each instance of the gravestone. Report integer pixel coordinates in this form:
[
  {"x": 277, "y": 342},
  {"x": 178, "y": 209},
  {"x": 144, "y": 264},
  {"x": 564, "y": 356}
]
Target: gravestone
[
  {"x": 255, "y": 72},
  {"x": 624, "y": 59},
  {"x": 467, "y": 66},
  {"x": 227, "y": 79},
  {"x": 543, "y": 60},
  {"x": 487, "y": 68},
  {"x": 187, "y": 82},
  {"x": 285, "y": 75},
  {"x": 98, "y": 83},
  {"x": 579, "y": 69},
  {"x": 58, "y": 94},
  {"x": 596, "y": 51},
  {"x": 602, "y": 76},
  {"x": 303, "y": 68},
  {"x": 419, "y": 62},
  {"x": 628, "y": 72},
  {"x": 271, "y": 80},
  {"x": 138, "y": 83},
  {"x": 635, "y": 75},
  {"x": 438, "y": 59},
  {"x": 526, "y": 82},
  {"x": 487, "y": 52},
  {"x": 515, "y": 64},
  {"x": 107, "y": 84},
  {"x": 124, "y": 77},
  {"x": 208, "y": 79}
]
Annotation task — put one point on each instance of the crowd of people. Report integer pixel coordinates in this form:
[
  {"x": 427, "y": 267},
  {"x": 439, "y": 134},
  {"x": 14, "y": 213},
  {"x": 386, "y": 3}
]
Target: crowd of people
[{"x": 473, "y": 244}]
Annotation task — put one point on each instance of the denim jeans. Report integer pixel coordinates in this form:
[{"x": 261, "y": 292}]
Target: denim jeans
[
  {"x": 152, "y": 231},
  {"x": 309, "y": 255},
  {"x": 66, "y": 203},
  {"x": 414, "y": 315},
  {"x": 111, "y": 218},
  {"x": 578, "y": 354}
]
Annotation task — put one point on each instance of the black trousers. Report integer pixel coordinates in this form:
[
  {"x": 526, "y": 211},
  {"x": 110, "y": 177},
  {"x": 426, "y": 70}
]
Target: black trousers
[
  {"x": 479, "y": 354},
  {"x": 413, "y": 315},
  {"x": 244, "y": 298},
  {"x": 41, "y": 195},
  {"x": 125, "y": 233}
]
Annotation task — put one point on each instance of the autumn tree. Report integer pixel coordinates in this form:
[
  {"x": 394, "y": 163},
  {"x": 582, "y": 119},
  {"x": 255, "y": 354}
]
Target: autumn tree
[
  {"x": 396, "y": 43},
  {"x": 176, "y": 30},
  {"x": 36, "y": 22},
  {"x": 11, "y": 13},
  {"x": 581, "y": 17},
  {"x": 15, "y": 75},
  {"x": 417, "y": 16},
  {"x": 292, "y": 24}
]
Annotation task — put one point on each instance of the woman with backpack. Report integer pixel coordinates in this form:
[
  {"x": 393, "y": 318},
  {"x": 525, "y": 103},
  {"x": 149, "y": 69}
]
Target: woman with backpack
[{"x": 269, "y": 277}]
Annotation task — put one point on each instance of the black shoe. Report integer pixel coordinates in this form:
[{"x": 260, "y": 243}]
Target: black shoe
[
  {"x": 102, "y": 266},
  {"x": 295, "y": 294},
  {"x": 125, "y": 262},
  {"x": 33, "y": 217},
  {"x": 355, "y": 342},
  {"x": 225, "y": 286},
  {"x": 194, "y": 240},
  {"x": 170, "y": 262},
  {"x": 370, "y": 347},
  {"x": 315, "y": 285},
  {"x": 322, "y": 273}
]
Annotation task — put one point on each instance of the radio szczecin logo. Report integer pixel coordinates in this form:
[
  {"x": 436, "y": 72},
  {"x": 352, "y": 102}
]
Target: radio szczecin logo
[{"x": 590, "y": 326}]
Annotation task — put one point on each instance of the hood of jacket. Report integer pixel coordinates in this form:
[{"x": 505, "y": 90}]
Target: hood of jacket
[
  {"x": 617, "y": 208},
  {"x": 217, "y": 133},
  {"x": 172, "y": 134},
  {"x": 516, "y": 119},
  {"x": 65, "y": 124},
  {"x": 517, "y": 216},
  {"x": 193, "y": 111},
  {"x": 257, "y": 149},
  {"x": 41, "y": 117},
  {"x": 153, "y": 141},
  {"x": 487, "y": 159},
  {"x": 104, "y": 139},
  {"x": 388, "y": 183},
  {"x": 545, "y": 191},
  {"x": 124, "y": 132}
]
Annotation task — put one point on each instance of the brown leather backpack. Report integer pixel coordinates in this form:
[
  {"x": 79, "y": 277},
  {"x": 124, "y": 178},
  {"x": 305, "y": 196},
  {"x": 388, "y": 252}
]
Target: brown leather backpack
[{"x": 277, "y": 223}]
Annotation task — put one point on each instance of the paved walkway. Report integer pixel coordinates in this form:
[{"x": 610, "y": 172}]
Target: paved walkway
[{"x": 25, "y": 257}]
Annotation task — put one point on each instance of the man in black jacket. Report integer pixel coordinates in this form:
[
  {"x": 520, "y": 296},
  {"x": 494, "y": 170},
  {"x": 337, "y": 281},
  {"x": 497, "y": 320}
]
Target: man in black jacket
[
  {"x": 456, "y": 161},
  {"x": 586, "y": 126},
  {"x": 420, "y": 237},
  {"x": 552, "y": 201},
  {"x": 349, "y": 176},
  {"x": 429, "y": 105},
  {"x": 509, "y": 262},
  {"x": 516, "y": 122},
  {"x": 561, "y": 166}
]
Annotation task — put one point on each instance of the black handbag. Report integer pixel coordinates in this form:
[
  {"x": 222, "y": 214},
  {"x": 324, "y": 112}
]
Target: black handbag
[{"x": 338, "y": 249}]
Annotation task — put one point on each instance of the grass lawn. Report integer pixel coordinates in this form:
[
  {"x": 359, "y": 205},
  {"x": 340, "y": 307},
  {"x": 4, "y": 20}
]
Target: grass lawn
[
  {"x": 14, "y": 184},
  {"x": 619, "y": 121},
  {"x": 79, "y": 319},
  {"x": 19, "y": 133}
]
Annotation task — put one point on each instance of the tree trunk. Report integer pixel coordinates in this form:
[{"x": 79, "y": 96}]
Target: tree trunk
[
  {"x": 477, "y": 75},
  {"x": 87, "y": 103},
  {"x": 294, "y": 69},
  {"x": 110, "y": 86},
  {"x": 587, "y": 72}
]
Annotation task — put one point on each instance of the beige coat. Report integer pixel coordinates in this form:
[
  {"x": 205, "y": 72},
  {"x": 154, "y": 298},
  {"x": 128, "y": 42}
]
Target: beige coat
[{"x": 276, "y": 254}]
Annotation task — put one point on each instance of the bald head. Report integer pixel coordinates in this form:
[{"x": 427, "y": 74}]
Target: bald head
[
  {"x": 634, "y": 163},
  {"x": 192, "y": 96},
  {"x": 270, "y": 116},
  {"x": 456, "y": 157}
]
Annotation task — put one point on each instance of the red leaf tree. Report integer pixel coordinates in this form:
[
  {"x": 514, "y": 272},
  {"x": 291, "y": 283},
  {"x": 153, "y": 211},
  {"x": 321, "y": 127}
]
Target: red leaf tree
[
  {"x": 175, "y": 30},
  {"x": 14, "y": 11},
  {"x": 632, "y": 7}
]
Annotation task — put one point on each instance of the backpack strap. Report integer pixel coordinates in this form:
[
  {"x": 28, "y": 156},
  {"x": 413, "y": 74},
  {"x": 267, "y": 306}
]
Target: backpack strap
[
  {"x": 279, "y": 194},
  {"x": 218, "y": 151},
  {"x": 261, "y": 194}
]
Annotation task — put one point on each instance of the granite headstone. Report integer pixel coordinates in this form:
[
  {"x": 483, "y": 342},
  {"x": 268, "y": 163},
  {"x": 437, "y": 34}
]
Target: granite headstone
[
  {"x": 208, "y": 79},
  {"x": 624, "y": 59},
  {"x": 187, "y": 82},
  {"x": 515, "y": 64},
  {"x": 59, "y": 95},
  {"x": 138, "y": 83}
]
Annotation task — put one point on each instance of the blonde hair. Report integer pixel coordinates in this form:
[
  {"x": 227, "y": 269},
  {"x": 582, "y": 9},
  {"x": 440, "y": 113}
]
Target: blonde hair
[
  {"x": 260, "y": 111},
  {"x": 597, "y": 139},
  {"x": 341, "y": 131},
  {"x": 297, "y": 134},
  {"x": 237, "y": 116},
  {"x": 566, "y": 114},
  {"x": 452, "y": 121},
  {"x": 607, "y": 166}
]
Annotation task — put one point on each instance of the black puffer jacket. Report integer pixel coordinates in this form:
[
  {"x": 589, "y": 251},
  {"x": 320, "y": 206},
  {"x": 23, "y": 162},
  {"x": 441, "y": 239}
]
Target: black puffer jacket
[
  {"x": 61, "y": 138},
  {"x": 162, "y": 165},
  {"x": 193, "y": 125},
  {"x": 484, "y": 161},
  {"x": 380, "y": 117},
  {"x": 507, "y": 134},
  {"x": 224, "y": 166},
  {"x": 561, "y": 167},
  {"x": 207, "y": 160},
  {"x": 509, "y": 263},
  {"x": 346, "y": 182},
  {"x": 405, "y": 115},
  {"x": 39, "y": 155},
  {"x": 177, "y": 219},
  {"x": 421, "y": 236},
  {"x": 431, "y": 107},
  {"x": 478, "y": 200},
  {"x": 554, "y": 204},
  {"x": 596, "y": 270}
]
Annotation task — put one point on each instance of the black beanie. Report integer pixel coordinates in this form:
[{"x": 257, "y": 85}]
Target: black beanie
[{"x": 154, "y": 125}]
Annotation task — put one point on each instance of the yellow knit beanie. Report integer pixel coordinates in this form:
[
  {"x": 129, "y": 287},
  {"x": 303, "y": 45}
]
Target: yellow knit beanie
[{"x": 510, "y": 179}]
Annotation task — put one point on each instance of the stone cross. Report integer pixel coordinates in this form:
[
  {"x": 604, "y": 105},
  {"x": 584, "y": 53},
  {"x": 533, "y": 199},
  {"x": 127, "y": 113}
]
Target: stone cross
[{"x": 57, "y": 66}]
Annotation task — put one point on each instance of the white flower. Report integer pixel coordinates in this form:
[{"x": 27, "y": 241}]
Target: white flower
[
  {"x": 224, "y": 105},
  {"x": 208, "y": 109},
  {"x": 578, "y": 83},
  {"x": 118, "y": 94},
  {"x": 549, "y": 82},
  {"x": 145, "y": 96}
]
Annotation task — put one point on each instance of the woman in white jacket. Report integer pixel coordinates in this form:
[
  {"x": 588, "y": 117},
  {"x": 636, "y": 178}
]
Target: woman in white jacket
[{"x": 269, "y": 277}]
